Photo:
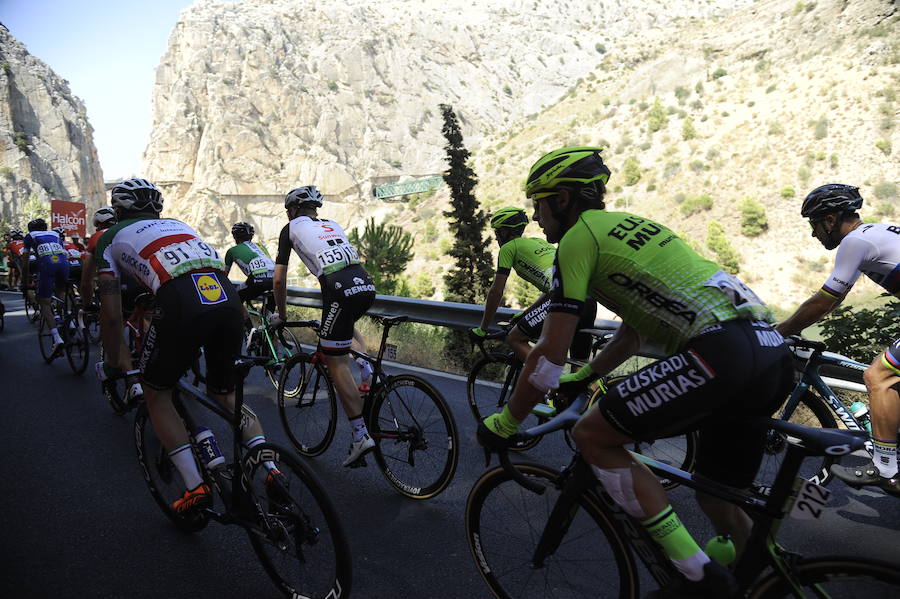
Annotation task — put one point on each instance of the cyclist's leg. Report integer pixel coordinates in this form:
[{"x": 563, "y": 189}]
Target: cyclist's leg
[
  {"x": 884, "y": 402},
  {"x": 46, "y": 283},
  {"x": 528, "y": 327}
]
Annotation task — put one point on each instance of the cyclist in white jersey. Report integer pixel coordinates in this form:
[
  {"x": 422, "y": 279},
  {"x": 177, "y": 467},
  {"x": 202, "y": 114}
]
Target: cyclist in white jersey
[
  {"x": 872, "y": 249},
  {"x": 347, "y": 293},
  {"x": 196, "y": 305}
]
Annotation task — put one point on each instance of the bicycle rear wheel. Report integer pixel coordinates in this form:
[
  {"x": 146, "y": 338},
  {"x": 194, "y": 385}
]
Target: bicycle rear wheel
[
  {"x": 810, "y": 411},
  {"x": 78, "y": 348},
  {"x": 416, "y": 443},
  {"x": 504, "y": 522},
  {"x": 489, "y": 386},
  {"x": 160, "y": 474},
  {"x": 299, "y": 540},
  {"x": 835, "y": 577},
  {"x": 309, "y": 417}
]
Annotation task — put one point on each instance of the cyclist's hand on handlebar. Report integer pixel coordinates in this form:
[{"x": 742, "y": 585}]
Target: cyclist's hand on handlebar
[
  {"x": 275, "y": 321},
  {"x": 477, "y": 334},
  {"x": 578, "y": 382}
]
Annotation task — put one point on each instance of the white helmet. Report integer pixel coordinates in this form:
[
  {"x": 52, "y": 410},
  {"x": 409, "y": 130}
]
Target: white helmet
[
  {"x": 105, "y": 218},
  {"x": 308, "y": 194},
  {"x": 135, "y": 195}
]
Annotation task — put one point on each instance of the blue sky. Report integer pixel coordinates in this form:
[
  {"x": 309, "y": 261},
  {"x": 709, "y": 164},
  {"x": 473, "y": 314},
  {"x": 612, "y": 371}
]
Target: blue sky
[{"x": 108, "y": 51}]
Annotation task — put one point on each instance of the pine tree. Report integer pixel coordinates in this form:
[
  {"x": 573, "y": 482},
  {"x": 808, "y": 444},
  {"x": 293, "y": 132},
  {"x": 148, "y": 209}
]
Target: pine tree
[
  {"x": 386, "y": 250},
  {"x": 472, "y": 272}
]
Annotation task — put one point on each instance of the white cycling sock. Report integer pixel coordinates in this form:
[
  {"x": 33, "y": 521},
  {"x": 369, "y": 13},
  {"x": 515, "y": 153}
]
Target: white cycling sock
[
  {"x": 885, "y": 457},
  {"x": 253, "y": 442},
  {"x": 183, "y": 459},
  {"x": 359, "y": 428}
]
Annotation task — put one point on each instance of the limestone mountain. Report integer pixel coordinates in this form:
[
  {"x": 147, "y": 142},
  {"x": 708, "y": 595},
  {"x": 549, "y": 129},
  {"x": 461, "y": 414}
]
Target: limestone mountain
[
  {"x": 253, "y": 98},
  {"x": 46, "y": 143}
]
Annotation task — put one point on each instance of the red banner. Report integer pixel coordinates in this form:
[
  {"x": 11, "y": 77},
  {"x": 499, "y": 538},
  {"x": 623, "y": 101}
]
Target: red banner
[{"x": 71, "y": 216}]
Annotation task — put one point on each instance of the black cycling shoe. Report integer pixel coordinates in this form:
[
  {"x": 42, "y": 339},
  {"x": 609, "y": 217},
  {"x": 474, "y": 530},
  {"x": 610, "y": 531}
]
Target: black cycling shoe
[
  {"x": 867, "y": 476},
  {"x": 717, "y": 583}
]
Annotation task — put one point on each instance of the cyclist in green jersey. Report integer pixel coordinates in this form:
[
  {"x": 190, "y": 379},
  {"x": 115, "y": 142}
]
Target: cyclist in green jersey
[
  {"x": 532, "y": 259},
  {"x": 254, "y": 261},
  {"x": 725, "y": 363}
]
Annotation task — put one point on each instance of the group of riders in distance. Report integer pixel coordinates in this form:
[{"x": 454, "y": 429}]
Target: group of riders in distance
[{"x": 726, "y": 360}]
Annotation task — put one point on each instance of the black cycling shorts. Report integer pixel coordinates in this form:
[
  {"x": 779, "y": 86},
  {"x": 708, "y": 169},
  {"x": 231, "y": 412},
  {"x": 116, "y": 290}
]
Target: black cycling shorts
[
  {"x": 195, "y": 310},
  {"x": 532, "y": 323},
  {"x": 253, "y": 288},
  {"x": 732, "y": 372},
  {"x": 346, "y": 295}
]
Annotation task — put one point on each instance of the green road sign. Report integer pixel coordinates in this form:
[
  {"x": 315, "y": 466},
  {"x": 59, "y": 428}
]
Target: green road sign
[{"x": 407, "y": 187}]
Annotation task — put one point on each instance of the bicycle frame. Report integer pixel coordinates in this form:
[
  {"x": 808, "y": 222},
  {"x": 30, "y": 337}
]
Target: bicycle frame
[{"x": 811, "y": 377}]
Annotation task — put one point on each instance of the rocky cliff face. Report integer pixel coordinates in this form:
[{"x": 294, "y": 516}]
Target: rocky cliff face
[
  {"x": 46, "y": 143},
  {"x": 256, "y": 97}
]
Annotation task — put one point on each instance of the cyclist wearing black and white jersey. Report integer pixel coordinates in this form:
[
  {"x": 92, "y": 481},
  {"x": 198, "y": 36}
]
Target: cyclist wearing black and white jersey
[
  {"x": 725, "y": 364},
  {"x": 196, "y": 306},
  {"x": 872, "y": 249},
  {"x": 347, "y": 293}
]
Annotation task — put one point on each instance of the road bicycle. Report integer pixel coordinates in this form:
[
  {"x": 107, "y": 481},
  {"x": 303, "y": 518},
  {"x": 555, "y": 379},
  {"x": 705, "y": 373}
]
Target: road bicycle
[
  {"x": 494, "y": 376},
  {"x": 75, "y": 346},
  {"x": 416, "y": 440},
  {"x": 277, "y": 347},
  {"x": 293, "y": 527},
  {"x": 814, "y": 403},
  {"x": 537, "y": 532}
]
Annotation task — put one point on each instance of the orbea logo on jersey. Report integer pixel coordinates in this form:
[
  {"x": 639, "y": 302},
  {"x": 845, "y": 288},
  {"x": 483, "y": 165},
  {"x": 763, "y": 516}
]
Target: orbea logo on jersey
[{"x": 208, "y": 288}]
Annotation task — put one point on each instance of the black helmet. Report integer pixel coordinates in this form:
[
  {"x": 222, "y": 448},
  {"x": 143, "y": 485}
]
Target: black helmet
[
  {"x": 307, "y": 194},
  {"x": 37, "y": 224},
  {"x": 60, "y": 231},
  {"x": 17, "y": 234},
  {"x": 137, "y": 195},
  {"x": 242, "y": 230},
  {"x": 833, "y": 197}
]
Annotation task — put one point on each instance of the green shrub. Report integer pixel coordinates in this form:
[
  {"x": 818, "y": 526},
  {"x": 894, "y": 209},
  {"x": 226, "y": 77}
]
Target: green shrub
[
  {"x": 833, "y": 161},
  {"x": 770, "y": 89},
  {"x": 885, "y": 209},
  {"x": 699, "y": 88},
  {"x": 6, "y": 68},
  {"x": 803, "y": 173},
  {"x": 332, "y": 85},
  {"x": 681, "y": 93},
  {"x": 726, "y": 255},
  {"x": 600, "y": 48},
  {"x": 821, "y": 128},
  {"x": 862, "y": 333},
  {"x": 692, "y": 206},
  {"x": 687, "y": 129},
  {"x": 719, "y": 73},
  {"x": 787, "y": 192},
  {"x": 882, "y": 144},
  {"x": 21, "y": 141},
  {"x": 6, "y": 171},
  {"x": 886, "y": 191},
  {"x": 679, "y": 198},
  {"x": 775, "y": 129},
  {"x": 657, "y": 118},
  {"x": 697, "y": 166},
  {"x": 631, "y": 171},
  {"x": 753, "y": 218},
  {"x": 507, "y": 90}
]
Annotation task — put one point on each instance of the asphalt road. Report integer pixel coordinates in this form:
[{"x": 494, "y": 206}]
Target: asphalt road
[{"x": 76, "y": 519}]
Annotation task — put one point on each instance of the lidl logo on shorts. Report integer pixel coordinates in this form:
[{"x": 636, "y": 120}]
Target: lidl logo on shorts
[
  {"x": 208, "y": 288},
  {"x": 54, "y": 258}
]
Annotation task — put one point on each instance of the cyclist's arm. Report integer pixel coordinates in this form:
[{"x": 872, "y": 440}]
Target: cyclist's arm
[
  {"x": 495, "y": 294},
  {"x": 279, "y": 282},
  {"x": 86, "y": 286},
  {"x": 109, "y": 289},
  {"x": 229, "y": 260},
  {"x": 809, "y": 312}
]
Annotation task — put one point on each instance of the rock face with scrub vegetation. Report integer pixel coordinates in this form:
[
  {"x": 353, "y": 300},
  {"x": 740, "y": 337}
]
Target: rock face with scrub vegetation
[{"x": 46, "y": 143}]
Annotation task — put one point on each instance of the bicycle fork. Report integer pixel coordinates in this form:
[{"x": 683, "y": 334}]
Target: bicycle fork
[{"x": 563, "y": 514}]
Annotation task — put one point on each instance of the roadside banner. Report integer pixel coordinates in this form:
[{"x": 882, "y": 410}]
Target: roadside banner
[{"x": 71, "y": 216}]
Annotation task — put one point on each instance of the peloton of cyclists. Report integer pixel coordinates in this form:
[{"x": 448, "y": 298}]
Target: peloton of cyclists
[
  {"x": 196, "y": 305},
  {"x": 873, "y": 249},
  {"x": 725, "y": 363},
  {"x": 347, "y": 293}
]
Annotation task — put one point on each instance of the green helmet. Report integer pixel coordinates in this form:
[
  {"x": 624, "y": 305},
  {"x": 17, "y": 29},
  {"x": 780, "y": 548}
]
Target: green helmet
[
  {"x": 509, "y": 217},
  {"x": 566, "y": 165}
]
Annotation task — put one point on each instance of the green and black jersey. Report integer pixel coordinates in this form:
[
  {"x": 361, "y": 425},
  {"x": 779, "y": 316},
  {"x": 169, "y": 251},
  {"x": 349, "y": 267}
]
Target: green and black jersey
[
  {"x": 531, "y": 258},
  {"x": 647, "y": 275},
  {"x": 253, "y": 260}
]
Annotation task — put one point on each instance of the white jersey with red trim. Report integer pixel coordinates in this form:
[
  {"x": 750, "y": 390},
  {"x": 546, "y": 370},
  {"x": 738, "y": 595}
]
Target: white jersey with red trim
[
  {"x": 871, "y": 249},
  {"x": 321, "y": 244},
  {"x": 154, "y": 251}
]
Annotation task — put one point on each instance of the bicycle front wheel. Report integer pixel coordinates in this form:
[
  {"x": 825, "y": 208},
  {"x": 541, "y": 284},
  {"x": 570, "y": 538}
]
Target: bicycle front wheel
[
  {"x": 282, "y": 353},
  {"x": 78, "y": 348},
  {"x": 299, "y": 540},
  {"x": 160, "y": 474},
  {"x": 309, "y": 417},
  {"x": 835, "y": 578},
  {"x": 810, "y": 411},
  {"x": 489, "y": 386},
  {"x": 505, "y": 521},
  {"x": 416, "y": 443}
]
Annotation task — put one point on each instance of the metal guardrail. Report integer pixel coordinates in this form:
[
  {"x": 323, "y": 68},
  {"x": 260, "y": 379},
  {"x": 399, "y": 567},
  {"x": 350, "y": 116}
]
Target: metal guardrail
[{"x": 445, "y": 314}]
